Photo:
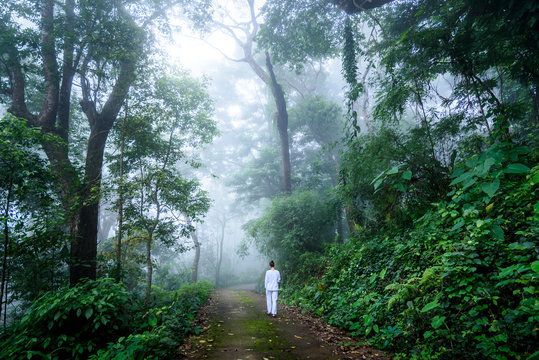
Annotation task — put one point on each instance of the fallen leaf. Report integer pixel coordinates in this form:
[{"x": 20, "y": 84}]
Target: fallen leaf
[{"x": 299, "y": 337}]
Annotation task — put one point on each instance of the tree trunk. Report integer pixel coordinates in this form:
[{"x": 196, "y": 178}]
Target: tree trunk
[
  {"x": 282, "y": 126},
  {"x": 5, "y": 303},
  {"x": 150, "y": 270},
  {"x": 120, "y": 208},
  {"x": 84, "y": 243},
  {"x": 220, "y": 254},
  {"x": 194, "y": 274},
  {"x": 6, "y": 245}
]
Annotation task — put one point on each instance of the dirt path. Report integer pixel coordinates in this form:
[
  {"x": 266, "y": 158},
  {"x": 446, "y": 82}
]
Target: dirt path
[{"x": 238, "y": 328}]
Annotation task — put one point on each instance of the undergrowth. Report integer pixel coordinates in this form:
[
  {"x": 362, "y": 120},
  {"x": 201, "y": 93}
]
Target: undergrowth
[
  {"x": 460, "y": 283},
  {"x": 101, "y": 320}
]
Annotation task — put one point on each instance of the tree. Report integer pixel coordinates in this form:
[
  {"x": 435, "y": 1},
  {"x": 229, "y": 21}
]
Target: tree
[
  {"x": 102, "y": 44},
  {"x": 244, "y": 34},
  {"x": 222, "y": 219},
  {"x": 171, "y": 116}
]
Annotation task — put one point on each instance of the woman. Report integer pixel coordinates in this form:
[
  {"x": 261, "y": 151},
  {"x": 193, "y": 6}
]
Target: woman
[{"x": 272, "y": 288}]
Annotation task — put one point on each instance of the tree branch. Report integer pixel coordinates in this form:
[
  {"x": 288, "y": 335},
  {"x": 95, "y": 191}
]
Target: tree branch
[{"x": 216, "y": 48}]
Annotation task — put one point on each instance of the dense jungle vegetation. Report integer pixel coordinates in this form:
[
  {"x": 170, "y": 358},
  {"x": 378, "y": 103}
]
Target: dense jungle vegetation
[{"x": 403, "y": 209}]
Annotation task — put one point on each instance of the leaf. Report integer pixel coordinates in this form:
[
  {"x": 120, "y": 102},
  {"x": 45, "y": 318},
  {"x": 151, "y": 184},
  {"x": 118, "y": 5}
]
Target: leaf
[
  {"x": 88, "y": 313},
  {"x": 461, "y": 178},
  {"x": 458, "y": 225},
  {"x": 377, "y": 183},
  {"x": 437, "y": 321},
  {"x": 497, "y": 232},
  {"x": 491, "y": 188},
  {"x": 535, "y": 266},
  {"x": 393, "y": 170},
  {"x": 407, "y": 175},
  {"x": 516, "y": 168},
  {"x": 401, "y": 187},
  {"x": 152, "y": 321},
  {"x": 383, "y": 274},
  {"x": 469, "y": 183},
  {"x": 430, "y": 306}
]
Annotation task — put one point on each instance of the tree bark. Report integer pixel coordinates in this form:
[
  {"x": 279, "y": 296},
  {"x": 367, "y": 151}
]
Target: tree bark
[
  {"x": 6, "y": 244},
  {"x": 220, "y": 253},
  {"x": 120, "y": 208},
  {"x": 150, "y": 270},
  {"x": 5, "y": 303},
  {"x": 282, "y": 126},
  {"x": 196, "y": 260}
]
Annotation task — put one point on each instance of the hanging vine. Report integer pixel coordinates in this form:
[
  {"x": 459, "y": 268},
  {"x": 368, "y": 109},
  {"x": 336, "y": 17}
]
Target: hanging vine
[{"x": 350, "y": 73}]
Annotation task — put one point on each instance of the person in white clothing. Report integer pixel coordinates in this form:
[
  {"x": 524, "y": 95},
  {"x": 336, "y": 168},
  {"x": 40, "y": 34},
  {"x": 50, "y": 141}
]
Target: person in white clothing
[{"x": 271, "y": 284}]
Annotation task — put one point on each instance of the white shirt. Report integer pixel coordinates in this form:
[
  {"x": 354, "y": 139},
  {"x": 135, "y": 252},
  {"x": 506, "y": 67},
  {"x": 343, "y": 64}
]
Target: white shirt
[{"x": 272, "y": 280}]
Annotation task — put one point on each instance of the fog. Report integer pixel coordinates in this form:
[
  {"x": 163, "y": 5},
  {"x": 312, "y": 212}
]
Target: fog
[{"x": 244, "y": 111}]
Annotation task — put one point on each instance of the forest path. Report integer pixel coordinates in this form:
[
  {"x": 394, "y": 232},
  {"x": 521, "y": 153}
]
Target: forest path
[{"x": 238, "y": 328}]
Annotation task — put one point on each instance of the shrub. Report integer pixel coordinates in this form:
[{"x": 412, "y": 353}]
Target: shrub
[
  {"x": 163, "y": 328},
  {"x": 70, "y": 323},
  {"x": 461, "y": 283}
]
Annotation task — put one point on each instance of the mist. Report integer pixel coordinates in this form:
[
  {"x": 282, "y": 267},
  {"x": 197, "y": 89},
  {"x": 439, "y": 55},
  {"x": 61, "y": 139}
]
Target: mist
[{"x": 173, "y": 173}]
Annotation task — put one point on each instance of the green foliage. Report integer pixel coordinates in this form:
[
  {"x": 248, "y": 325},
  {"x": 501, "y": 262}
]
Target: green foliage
[
  {"x": 489, "y": 48},
  {"x": 389, "y": 178},
  {"x": 315, "y": 126},
  {"x": 350, "y": 73},
  {"x": 31, "y": 217},
  {"x": 294, "y": 224},
  {"x": 315, "y": 35},
  {"x": 100, "y": 320},
  {"x": 71, "y": 323},
  {"x": 460, "y": 283},
  {"x": 164, "y": 327}
]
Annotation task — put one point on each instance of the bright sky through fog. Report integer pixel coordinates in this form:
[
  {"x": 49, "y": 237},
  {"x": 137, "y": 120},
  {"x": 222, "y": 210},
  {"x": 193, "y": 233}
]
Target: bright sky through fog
[{"x": 201, "y": 56}]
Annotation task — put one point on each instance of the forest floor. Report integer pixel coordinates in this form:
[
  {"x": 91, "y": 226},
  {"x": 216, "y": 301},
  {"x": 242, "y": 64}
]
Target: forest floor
[{"x": 236, "y": 327}]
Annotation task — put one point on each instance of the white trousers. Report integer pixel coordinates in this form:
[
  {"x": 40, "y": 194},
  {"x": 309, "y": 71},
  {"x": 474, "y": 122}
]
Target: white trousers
[{"x": 271, "y": 299}]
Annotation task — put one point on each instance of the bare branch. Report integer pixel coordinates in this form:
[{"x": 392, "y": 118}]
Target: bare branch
[
  {"x": 231, "y": 33},
  {"x": 216, "y": 48}
]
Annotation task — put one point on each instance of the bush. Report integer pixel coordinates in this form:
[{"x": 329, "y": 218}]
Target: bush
[
  {"x": 294, "y": 224},
  {"x": 71, "y": 323},
  {"x": 99, "y": 320},
  {"x": 163, "y": 328},
  {"x": 461, "y": 283}
]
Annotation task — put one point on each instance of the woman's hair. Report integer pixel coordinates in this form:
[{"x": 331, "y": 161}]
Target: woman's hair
[{"x": 272, "y": 264}]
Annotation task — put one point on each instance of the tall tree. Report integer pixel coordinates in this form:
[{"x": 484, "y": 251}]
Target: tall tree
[
  {"x": 171, "y": 116},
  {"x": 102, "y": 44},
  {"x": 244, "y": 34}
]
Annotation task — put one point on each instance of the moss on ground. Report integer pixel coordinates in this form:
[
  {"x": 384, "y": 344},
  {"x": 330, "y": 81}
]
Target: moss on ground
[{"x": 243, "y": 297}]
